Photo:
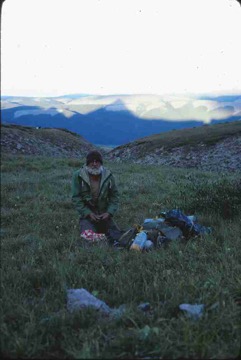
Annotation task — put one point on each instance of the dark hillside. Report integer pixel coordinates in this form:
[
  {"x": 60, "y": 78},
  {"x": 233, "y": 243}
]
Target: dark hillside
[
  {"x": 206, "y": 134},
  {"x": 16, "y": 139},
  {"x": 209, "y": 147}
]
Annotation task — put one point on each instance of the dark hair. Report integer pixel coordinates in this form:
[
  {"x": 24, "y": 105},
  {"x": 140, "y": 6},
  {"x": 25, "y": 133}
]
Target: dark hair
[{"x": 94, "y": 155}]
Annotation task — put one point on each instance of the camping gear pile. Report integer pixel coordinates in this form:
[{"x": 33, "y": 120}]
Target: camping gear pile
[{"x": 154, "y": 233}]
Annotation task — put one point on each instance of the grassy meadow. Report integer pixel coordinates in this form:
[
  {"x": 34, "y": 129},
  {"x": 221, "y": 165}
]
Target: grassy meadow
[{"x": 41, "y": 257}]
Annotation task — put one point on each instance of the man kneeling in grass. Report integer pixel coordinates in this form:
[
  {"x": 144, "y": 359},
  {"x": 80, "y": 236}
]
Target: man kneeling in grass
[{"x": 95, "y": 195}]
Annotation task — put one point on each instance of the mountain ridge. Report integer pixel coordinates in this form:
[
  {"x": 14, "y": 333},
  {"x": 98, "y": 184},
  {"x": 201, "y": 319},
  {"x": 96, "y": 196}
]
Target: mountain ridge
[{"x": 119, "y": 119}]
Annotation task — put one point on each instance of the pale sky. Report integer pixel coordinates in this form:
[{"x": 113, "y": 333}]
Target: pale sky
[{"x": 57, "y": 47}]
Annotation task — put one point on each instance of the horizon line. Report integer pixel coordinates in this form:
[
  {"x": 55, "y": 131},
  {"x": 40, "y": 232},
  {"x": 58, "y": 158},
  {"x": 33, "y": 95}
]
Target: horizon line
[{"x": 214, "y": 93}]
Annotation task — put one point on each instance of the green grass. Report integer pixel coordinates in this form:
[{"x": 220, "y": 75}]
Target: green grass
[{"x": 41, "y": 257}]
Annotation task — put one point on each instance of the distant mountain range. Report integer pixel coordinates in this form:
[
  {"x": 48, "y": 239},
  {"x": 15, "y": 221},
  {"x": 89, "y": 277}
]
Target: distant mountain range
[{"x": 119, "y": 119}]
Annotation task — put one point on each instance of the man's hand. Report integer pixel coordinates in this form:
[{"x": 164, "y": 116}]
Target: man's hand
[
  {"x": 94, "y": 217},
  {"x": 104, "y": 216}
]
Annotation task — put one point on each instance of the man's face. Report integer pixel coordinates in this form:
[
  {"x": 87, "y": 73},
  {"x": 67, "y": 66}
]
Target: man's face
[{"x": 95, "y": 164}]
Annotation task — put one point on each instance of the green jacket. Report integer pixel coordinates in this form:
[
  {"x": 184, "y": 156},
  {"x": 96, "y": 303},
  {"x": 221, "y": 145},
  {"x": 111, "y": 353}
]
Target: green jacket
[{"x": 108, "y": 200}]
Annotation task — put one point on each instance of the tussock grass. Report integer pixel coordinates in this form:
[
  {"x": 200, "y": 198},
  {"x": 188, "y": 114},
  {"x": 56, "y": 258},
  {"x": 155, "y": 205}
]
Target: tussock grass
[{"x": 41, "y": 258}]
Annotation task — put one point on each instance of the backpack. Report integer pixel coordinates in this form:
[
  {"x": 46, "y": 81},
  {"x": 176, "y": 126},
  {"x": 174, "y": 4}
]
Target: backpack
[{"x": 127, "y": 238}]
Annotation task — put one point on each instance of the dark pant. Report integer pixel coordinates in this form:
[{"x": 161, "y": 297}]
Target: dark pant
[{"x": 107, "y": 227}]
